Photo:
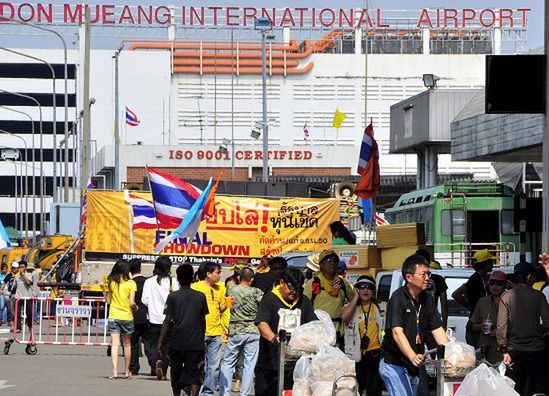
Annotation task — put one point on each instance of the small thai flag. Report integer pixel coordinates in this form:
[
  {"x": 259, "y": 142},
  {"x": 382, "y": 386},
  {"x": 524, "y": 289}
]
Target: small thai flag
[
  {"x": 131, "y": 118},
  {"x": 143, "y": 213}
]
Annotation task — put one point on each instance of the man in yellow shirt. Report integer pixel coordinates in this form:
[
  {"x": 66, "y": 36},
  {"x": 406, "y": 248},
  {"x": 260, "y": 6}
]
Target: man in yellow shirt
[{"x": 215, "y": 297}]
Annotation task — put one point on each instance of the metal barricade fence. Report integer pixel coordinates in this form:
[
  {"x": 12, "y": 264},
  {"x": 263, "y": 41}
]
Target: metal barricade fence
[{"x": 60, "y": 321}]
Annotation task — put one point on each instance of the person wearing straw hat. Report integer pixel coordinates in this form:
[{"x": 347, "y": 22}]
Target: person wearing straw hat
[{"x": 328, "y": 291}]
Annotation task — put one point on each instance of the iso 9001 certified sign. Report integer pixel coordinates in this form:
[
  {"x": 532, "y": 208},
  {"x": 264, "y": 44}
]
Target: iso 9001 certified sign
[{"x": 73, "y": 311}]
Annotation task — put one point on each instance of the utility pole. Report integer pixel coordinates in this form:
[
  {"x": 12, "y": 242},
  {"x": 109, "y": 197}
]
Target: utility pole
[
  {"x": 116, "y": 126},
  {"x": 86, "y": 124},
  {"x": 264, "y": 25}
]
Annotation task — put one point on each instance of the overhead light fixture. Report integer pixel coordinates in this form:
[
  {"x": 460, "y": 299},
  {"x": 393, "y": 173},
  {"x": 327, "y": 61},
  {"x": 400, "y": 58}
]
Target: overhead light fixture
[
  {"x": 10, "y": 154},
  {"x": 262, "y": 23},
  {"x": 223, "y": 147},
  {"x": 256, "y": 130},
  {"x": 430, "y": 81}
]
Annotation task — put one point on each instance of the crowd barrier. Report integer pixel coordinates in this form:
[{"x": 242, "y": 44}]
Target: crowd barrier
[{"x": 59, "y": 321}]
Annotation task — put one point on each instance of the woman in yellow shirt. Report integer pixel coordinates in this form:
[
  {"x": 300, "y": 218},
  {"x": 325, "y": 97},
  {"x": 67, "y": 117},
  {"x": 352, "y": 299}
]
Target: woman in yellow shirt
[{"x": 120, "y": 294}]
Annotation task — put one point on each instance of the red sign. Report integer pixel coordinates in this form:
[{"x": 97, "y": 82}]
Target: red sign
[
  {"x": 250, "y": 155},
  {"x": 110, "y": 14}
]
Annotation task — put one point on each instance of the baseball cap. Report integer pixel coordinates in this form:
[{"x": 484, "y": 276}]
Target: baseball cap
[
  {"x": 483, "y": 255},
  {"x": 327, "y": 253},
  {"x": 341, "y": 266},
  {"x": 524, "y": 268},
  {"x": 14, "y": 264},
  {"x": 498, "y": 276},
  {"x": 435, "y": 265}
]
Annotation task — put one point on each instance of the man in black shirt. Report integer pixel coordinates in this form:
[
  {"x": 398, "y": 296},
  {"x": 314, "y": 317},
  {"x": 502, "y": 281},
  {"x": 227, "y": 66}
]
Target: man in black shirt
[
  {"x": 284, "y": 306},
  {"x": 140, "y": 322},
  {"x": 474, "y": 289},
  {"x": 186, "y": 311},
  {"x": 268, "y": 276},
  {"x": 410, "y": 310}
]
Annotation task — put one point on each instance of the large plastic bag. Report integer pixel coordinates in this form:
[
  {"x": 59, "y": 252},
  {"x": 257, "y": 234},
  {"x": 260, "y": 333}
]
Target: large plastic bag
[
  {"x": 302, "y": 380},
  {"x": 486, "y": 381},
  {"x": 308, "y": 337},
  {"x": 330, "y": 363},
  {"x": 459, "y": 358},
  {"x": 344, "y": 387}
]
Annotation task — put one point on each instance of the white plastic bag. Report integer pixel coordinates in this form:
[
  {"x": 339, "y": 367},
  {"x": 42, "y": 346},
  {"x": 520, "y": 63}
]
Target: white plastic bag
[
  {"x": 308, "y": 337},
  {"x": 344, "y": 387},
  {"x": 486, "y": 381},
  {"x": 330, "y": 363},
  {"x": 459, "y": 358},
  {"x": 302, "y": 380}
]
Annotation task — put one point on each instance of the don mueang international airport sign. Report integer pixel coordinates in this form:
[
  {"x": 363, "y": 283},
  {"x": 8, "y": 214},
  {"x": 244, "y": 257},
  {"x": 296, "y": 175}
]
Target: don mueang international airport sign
[{"x": 110, "y": 14}]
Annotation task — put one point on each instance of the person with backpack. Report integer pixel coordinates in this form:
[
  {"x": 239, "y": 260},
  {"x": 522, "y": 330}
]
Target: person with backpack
[
  {"x": 363, "y": 325},
  {"x": 329, "y": 291},
  {"x": 8, "y": 291}
]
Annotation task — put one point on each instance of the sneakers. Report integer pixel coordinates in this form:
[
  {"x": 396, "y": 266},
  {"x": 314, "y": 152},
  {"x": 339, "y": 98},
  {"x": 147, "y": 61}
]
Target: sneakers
[{"x": 159, "y": 371}]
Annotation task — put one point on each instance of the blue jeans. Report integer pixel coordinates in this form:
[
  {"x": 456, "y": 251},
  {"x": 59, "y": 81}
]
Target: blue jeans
[
  {"x": 249, "y": 343},
  {"x": 213, "y": 361},
  {"x": 397, "y": 380},
  {"x": 4, "y": 308}
]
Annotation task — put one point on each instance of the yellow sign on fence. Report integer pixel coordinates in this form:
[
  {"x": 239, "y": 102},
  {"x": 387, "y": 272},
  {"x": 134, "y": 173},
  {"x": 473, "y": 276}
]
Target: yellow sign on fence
[{"x": 242, "y": 228}]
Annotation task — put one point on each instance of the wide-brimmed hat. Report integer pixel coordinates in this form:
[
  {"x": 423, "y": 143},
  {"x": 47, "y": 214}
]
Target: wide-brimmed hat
[{"x": 312, "y": 262}]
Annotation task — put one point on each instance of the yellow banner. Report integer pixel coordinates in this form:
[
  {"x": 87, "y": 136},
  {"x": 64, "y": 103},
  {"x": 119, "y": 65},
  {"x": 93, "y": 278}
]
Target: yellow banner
[{"x": 242, "y": 228}]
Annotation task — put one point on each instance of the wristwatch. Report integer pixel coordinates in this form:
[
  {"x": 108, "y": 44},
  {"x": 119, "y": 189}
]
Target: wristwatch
[
  {"x": 274, "y": 341},
  {"x": 503, "y": 348}
]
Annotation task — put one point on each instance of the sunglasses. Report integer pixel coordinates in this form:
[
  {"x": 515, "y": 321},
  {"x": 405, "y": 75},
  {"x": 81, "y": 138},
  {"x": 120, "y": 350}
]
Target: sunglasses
[
  {"x": 293, "y": 288},
  {"x": 496, "y": 282},
  {"x": 365, "y": 286}
]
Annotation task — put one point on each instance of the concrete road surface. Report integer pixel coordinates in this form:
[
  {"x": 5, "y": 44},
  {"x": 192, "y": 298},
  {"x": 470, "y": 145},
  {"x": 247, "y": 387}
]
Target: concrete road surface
[{"x": 70, "y": 370}]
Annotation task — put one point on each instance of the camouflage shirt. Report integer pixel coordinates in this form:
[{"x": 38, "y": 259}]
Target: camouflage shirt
[{"x": 244, "y": 309}]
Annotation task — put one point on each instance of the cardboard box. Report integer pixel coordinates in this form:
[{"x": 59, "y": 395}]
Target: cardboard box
[
  {"x": 392, "y": 258},
  {"x": 359, "y": 256},
  {"x": 395, "y": 235},
  {"x": 353, "y": 274}
]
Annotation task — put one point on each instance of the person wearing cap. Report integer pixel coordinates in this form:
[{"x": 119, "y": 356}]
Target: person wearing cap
[
  {"x": 474, "y": 289},
  {"x": 484, "y": 318},
  {"x": 328, "y": 291},
  {"x": 411, "y": 311},
  {"x": 363, "y": 324},
  {"x": 269, "y": 277},
  {"x": 520, "y": 335},
  {"x": 284, "y": 307}
]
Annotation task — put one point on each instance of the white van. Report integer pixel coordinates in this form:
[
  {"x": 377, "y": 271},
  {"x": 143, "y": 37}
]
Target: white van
[{"x": 389, "y": 281}]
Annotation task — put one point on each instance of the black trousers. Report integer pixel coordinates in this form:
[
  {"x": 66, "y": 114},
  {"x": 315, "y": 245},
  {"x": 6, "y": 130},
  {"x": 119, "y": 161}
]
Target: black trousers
[
  {"x": 266, "y": 379},
  {"x": 154, "y": 335},
  {"x": 27, "y": 305},
  {"x": 367, "y": 373},
  {"x": 140, "y": 335},
  {"x": 529, "y": 372}
]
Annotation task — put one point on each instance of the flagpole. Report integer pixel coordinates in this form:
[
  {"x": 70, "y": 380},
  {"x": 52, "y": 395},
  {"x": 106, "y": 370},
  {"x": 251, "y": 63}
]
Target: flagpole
[{"x": 130, "y": 219}]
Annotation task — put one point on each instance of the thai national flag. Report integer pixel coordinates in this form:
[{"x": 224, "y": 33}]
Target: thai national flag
[
  {"x": 172, "y": 198},
  {"x": 189, "y": 226},
  {"x": 143, "y": 213},
  {"x": 368, "y": 185},
  {"x": 131, "y": 118}
]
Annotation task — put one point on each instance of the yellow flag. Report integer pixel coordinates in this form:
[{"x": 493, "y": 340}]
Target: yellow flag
[{"x": 339, "y": 117}]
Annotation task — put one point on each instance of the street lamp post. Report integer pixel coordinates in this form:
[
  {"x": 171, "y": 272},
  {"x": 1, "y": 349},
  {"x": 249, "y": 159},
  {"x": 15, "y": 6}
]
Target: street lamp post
[
  {"x": 42, "y": 208},
  {"x": 66, "y": 98},
  {"x": 33, "y": 170},
  {"x": 26, "y": 183},
  {"x": 20, "y": 176},
  {"x": 264, "y": 25},
  {"x": 54, "y": 114}
]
